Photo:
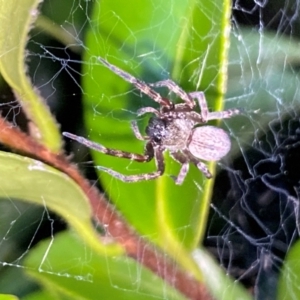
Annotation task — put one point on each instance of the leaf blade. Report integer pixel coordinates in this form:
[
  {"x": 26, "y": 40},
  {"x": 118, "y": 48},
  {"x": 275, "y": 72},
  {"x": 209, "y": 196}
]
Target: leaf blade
[
  {"x": 96, "y": 275},
  {"x": 18, "y": 175},
  {"x": 13, "y": 69},
  {"x": 161, "y": 210}
]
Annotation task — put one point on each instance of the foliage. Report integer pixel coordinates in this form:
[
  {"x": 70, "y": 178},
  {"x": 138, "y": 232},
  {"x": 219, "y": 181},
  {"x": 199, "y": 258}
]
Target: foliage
[{"x": 192, "y": 45}]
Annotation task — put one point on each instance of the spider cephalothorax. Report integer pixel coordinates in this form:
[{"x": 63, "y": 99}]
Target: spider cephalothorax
[
  {"x": 174, "y": 127},
  {"x": 157, "y": 129},
  {"x": 170, "y": 134}
]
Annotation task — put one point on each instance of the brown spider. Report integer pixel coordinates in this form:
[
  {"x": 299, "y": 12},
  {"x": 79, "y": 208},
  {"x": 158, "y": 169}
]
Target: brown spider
[{"x": 173, "y": 128}]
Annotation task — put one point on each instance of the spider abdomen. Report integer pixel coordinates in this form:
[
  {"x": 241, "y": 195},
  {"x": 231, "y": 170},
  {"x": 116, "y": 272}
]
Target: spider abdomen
[{"x": 209, "y": 143}]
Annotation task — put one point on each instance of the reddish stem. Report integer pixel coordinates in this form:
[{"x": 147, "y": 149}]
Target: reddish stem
[{"x": 106, "y": 214}]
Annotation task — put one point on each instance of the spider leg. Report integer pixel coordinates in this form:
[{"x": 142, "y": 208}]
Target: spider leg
[
  {"x": 184, "y": 161},
  {"x": 177, "y": 90},
  {"x": 203, "y": 168},
  {"x": 196, "y": 117},
  {"x": 148, "y": 155},
  {"x": 137, "y": 132},
  {"x": 225, "y": 114},
  {"x": 202, "y": 104},
  {"x": 206, "y": 115},
  {"x": 199, "y": 164},
  {"x": 139, "y": 84},
  {"x": 140, "y": 177},
  {"x": 146, "y": 110}
]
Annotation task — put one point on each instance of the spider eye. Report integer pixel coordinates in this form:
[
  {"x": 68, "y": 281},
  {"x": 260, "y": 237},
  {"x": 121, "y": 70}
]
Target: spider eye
[{"x": 156, "y": 129}]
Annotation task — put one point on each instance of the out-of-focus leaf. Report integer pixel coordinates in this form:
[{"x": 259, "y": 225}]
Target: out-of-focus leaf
[
  {"x": 74, "y": 270},
  {"x": 56, "y": 32},
  {"x": 8, "y": 297},
  {"x": 220, "y": 284},
  {"x": 45, "y": 295},
  {"x": 13, "y": 40},
  {"x": 32, "y": 181},
  {"x": 288, "y": 286},
  {"x": 263, "y": 75}
]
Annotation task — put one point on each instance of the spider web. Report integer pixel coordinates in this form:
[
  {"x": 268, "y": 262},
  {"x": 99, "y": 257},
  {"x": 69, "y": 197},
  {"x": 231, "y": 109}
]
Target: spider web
[{"x": 254, "y": 217}]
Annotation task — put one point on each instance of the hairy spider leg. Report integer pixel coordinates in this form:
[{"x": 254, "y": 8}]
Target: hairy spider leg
[
  {"x": 139, "y": 84},
  {"x": 148, "y": 155},
  {"x": 177, "y": 90},
  {"x": 183, "y": 160},
  {"x": 199, "y": 164},
  {"x": 146, "y": 110},
  {"x": 137, "y": 132},
  {"x": 225, "y": 114},
  {"x": 160, "y": 168},
  {"x": 179, "y": 108},
  {"x": 202, "y": 104}
]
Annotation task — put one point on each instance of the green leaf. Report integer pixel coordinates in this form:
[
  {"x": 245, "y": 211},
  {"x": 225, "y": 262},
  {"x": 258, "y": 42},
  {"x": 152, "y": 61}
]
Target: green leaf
[
  {"x": 82, "y": 273},
  {"x": 288, "y": 286},
  {"x": 45, "y": 295},
  {"x": 188, "y": 39},
  {"x": 269, "y": 52},
  {"x": 13, "y": 69},
  {"x": 54, "y": 30},
  {"x": 259, "y": 79},
  {"x": 32, "y": 181},
  {"x": 220, "y": 284},
  {"x": 8, "y": 297}
]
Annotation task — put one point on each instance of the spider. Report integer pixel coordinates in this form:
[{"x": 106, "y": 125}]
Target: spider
[{"x": 172, "y": 127}]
